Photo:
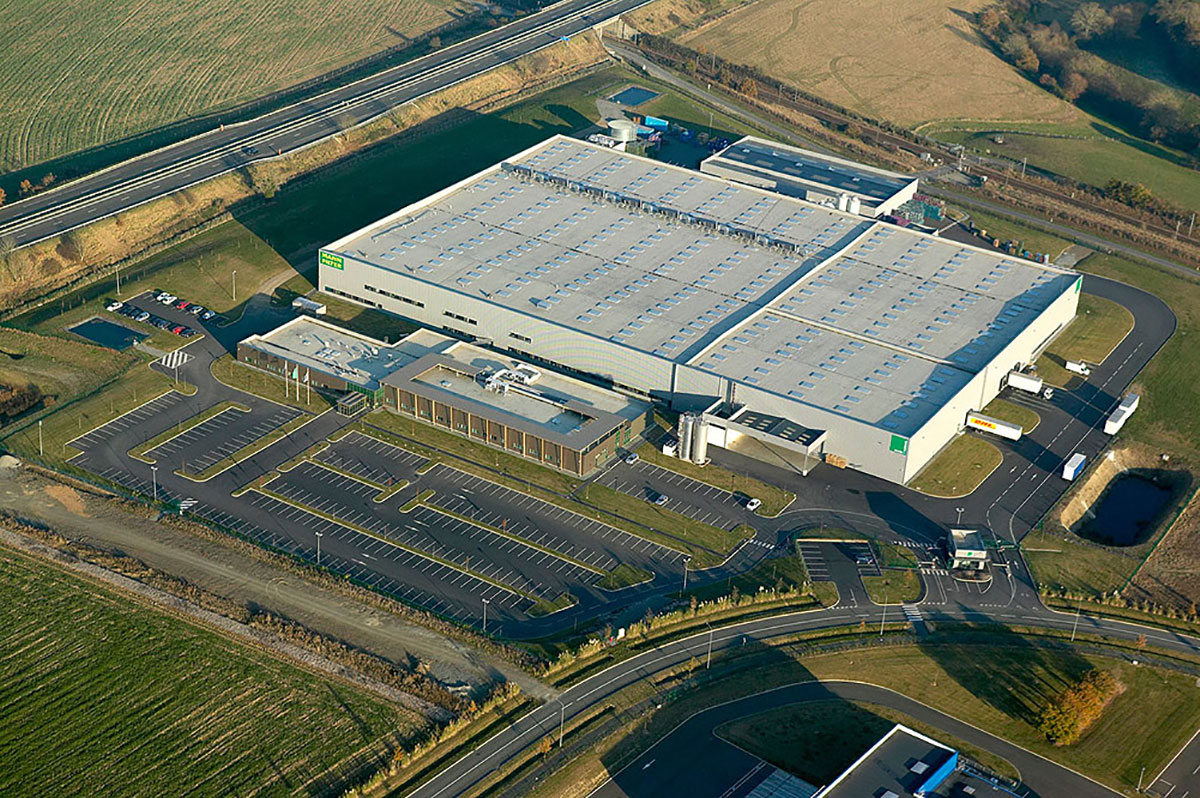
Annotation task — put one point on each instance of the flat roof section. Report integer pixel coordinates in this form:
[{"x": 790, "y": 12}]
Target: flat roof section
[
  {"x": 813, "y": 167},
  {"x": 876, "y": 322},
  {"x": 779, "y": 427},
  {"x": 358, "y": 359},
  {"x": 899, "y": 765},
  {"x": 558, "y": 409}
]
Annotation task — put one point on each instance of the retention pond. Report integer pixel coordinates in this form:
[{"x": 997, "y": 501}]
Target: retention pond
[{"x": 1129, "y": 509}]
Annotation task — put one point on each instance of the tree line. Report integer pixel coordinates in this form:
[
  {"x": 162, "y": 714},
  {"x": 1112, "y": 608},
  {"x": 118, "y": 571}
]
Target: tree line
[
  {"x": 1054, "y": 54},
  {"x": 1068, "y": 716}
]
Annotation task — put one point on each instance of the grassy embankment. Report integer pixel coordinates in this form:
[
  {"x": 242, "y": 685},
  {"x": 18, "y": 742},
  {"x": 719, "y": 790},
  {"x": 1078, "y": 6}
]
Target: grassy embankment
[
  {"x": 1025, "y": 417},
  {"x": 895, "y": 586},
  {"x": 1099, "y": 326},
  {"x": 170, "y": 707}
]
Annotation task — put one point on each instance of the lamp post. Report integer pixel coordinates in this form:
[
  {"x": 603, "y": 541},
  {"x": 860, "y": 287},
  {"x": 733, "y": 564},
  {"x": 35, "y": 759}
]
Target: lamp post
[
  {"x": 154, "y": 480},
  {"x": 233, "y": 277},
  {"x": 708, "y": 660},
  {"x": 319, "y": 536},
  {"x": 485, "y": 603},
  {"x": 562, "y": 716},
  {"x": 883, "y": 618},
  {"x": 41, "y": 452}
]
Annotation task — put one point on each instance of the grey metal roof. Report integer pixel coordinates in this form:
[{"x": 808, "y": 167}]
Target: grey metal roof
[
  {"x": 813, "y": 167},
  {"x": 899, "y": 763},
  {"x": 680, "y": 264}
]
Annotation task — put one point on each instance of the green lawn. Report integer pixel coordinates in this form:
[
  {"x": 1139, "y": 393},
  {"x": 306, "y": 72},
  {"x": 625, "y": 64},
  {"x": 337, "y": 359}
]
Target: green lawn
[
  {"x": 778, "y": 573},
  {"x": 1064, "y": 561},
  {"x": 1099, "y": 325},
  {"x": 818, "y": 740},
  {"x": 1025, "y": 417},
  {"x": 1094, "y": 160},
  {"x": 774, "y": 499},
  {"x": 1001, "y": 689},
  {"x": 959, "y": 469},
  {"x": 896, "y": 586},
  {"x": 107, "y": 696},
  {"x": 894, "y": 556},
  {"x": 269, "y": 386}
]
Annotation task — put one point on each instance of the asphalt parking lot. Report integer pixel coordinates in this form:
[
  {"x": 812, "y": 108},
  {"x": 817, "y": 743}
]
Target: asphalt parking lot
[
  {"x": 844, "y": 564},
  {"x": 685, "y": 495},
  {"x": 220, "y": 436},
  {"x": 131, "y": 424},
  {"x": 372, "y": 459},
  {"x": 547, "y": 524},
  {"x": 482, "y": 551}
]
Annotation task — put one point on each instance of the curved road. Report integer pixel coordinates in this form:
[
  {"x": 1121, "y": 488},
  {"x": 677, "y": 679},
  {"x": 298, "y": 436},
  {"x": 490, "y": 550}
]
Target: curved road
[
  {"x": 460, "y": 776},
  {"x": 293, "y": 127},
  {"x": 691, "y": 760}
]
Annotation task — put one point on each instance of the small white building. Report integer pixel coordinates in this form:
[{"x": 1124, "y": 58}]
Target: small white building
[{"x": 967, "y": 550}]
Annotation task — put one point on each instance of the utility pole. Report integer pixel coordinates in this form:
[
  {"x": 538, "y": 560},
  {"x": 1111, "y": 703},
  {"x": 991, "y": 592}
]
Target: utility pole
[
  {"x": 1024, "y": 161},
  {"x": 883, "y": 618},
  {"x": 41, "y": 452},
  {"x": 154, "y": 479},
  {"x": 1192, "y": 224}
]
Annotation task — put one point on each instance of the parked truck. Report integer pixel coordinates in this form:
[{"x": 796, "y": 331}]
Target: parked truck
[
  {"x": 1025, "y": 382},
  {"x": 994, "y": 426},
  {"x": 1078, "y": 367},
  {"x": 1073, "y": 467}
]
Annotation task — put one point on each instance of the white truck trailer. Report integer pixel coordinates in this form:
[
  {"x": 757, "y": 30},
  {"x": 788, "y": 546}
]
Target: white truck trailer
[
  {"x": 1024, "y": 382},
  {"x": 994, "y": 426},
  {"x": 1078, "y": 367},
  {"x": 1073, "y": 466}
]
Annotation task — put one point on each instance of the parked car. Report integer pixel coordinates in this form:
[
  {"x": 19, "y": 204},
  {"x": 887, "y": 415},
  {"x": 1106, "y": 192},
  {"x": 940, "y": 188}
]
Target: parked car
[
  {"x": 188, "y": 332},
  {"x": 208, "y": 314},
  {"x": 753, "y": 504},
  {"x": 161, "y": 324},
  {"x": 143, "y": 316},
  {"x": 661, "y": 500},
  {"x": 177, "y": 328},
  {"x": 196, "y": 310},
  {"x": 863, "y": 559},
  {"x": 631, "y": 459},
  {"x": 182, "y": 304},
  {"x": 129, "y": 311},
  {"x": 167, "y": 299},
  {"x": 160, "y": 295},
  {"x": 114, "y": 306}
]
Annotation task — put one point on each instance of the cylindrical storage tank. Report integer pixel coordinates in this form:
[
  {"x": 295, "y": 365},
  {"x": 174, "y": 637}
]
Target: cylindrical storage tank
[
  {"x": 855, "y": 205},
  {"x": 687, "y": 425},
  {"x": 700, "y": 442},
  {"x": 622, "y": 130},
  {"x": 843, "y": 202}
]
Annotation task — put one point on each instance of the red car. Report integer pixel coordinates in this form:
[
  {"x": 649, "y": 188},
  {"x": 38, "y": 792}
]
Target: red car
[
  {"x": 177, "y": 329},
  {"x": 182, "y": 304}
]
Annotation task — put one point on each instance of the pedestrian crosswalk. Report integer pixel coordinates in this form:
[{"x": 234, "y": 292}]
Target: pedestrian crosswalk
[
  {"x": 913, "y": 613},
  {"x": 187, "y": 504},
  {"x": 174, "y": 360}
]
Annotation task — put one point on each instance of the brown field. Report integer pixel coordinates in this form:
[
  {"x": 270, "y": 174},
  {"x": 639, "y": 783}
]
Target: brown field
[
  {"x": 74, "y": 75},
  {"x": 910, "y": 63},
  {"x": 1171, "y": 576}
]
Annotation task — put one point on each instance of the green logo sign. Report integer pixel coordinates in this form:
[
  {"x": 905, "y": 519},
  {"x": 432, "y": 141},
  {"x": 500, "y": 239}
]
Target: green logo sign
[
  {"x": 899, "y": 444},
  {"x": 1078, "y": 284},
  {"x": 331, "y": 260}
]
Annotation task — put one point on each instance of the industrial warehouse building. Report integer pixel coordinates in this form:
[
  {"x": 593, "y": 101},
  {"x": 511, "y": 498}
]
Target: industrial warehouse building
[
  {"x": 561, "y": 422},
  {"x": 812, "y": 176},
  {"x": 799, "y": 331}
]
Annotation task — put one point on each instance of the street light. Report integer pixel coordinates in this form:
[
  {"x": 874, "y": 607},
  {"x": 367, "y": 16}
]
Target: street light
[
  {"x": 562, "y": 716},
  {"x": 154, "y": 479},
  {"x": 485, "y": 603},
  {"x": 41, "y": 452},
  {"x": 708, "y": 660},
  {"x": 319, "y": 535},
  {"x": 883, "y": 618},
  {"x": 686, "y": 560},
  {"x": 234, "y": 278},
  {"x": 960, "y": 512}
]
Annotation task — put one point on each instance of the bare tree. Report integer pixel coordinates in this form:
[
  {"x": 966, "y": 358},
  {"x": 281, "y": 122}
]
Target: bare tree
[{"x": 1091, "y": 20}]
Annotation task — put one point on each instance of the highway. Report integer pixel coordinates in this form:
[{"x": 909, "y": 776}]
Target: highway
[{"x": 185, "y": 163}]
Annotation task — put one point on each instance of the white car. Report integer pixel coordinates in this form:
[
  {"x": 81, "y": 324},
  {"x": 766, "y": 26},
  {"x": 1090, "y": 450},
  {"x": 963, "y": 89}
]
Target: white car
[
  {"x": 662, "y": 500},
  {"x": 168, "y": 299},
  {"x": 631, "y": 459},
  {"x": 753, "y": 504},
  {"x": 114, "y": 306}
]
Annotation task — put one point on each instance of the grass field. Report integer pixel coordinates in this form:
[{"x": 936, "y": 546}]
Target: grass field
[
  {"x": 105, "y": 696},
  {"x": 1099, "y": 326},
  {"x": 1101, "y": 154},
  {"x": 959, "y": 469},
  {"x": 1065, "y": 561},
  {"x": 817, "y": 741},
  {"x": 1013, "y": 414},
  {"x": 859, "y": 54},
  {"x": 77, "y": 75},
  {"x": 894, "y": 587}
]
